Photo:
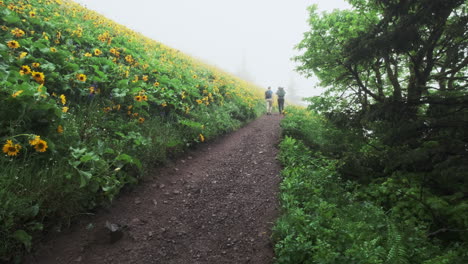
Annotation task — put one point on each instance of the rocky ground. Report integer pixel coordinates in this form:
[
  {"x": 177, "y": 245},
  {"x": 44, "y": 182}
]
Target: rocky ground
[{"x": 216, "y": 204}]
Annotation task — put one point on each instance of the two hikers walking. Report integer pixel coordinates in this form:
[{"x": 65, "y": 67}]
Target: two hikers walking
[{"x": 269, "y": 99}]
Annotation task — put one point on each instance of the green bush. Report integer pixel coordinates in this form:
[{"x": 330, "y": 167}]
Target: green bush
[{"x": 329, "y": 219}]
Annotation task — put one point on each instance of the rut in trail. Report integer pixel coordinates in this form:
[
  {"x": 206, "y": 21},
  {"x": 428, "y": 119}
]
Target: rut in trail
[{"x": 217, "y": 204}]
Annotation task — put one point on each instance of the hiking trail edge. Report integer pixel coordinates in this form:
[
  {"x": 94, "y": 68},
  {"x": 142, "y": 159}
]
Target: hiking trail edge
[{"x": 215, "y": 204}]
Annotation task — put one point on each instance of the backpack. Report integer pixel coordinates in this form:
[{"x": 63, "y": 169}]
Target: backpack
[
  {"x": 281, "y": 93},
  {"x": 268, "y": 94}
]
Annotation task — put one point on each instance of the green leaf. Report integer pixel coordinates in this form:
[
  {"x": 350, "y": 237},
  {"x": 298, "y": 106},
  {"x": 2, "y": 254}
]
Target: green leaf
[
  {"x": 23, "y": 237},
  {"x": 32, "y": 211},
  {"x": 11, "y": 18},
  {"x": 129, "y": 159},
  {"x": 84, "y": 178},
  {"x": 89, "y": 156}
]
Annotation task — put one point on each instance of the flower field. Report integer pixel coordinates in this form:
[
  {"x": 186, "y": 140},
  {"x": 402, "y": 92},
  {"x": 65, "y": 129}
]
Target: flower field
[{"x": 88, "y": 106}]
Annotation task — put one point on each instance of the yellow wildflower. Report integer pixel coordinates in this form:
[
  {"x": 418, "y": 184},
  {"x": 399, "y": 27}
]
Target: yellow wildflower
[
  {"x": 13, "y": 44},
  {"x": 41, "y": 145},
  {"x": 87, "y": 54},
  {"x": 201, "y": 137},
  {"x": 11, "y": 149},
  {"x": 38, "y": 77},
  {"x": 25, "y": 70},
  {"x": 65, "y": 109},
  {"x": 63, "y": 99},
  {"x": 34, "y": 141},
  {"x": 141, "y": 120},
  {"x": 97, "y": 52},
  {"x": 81, "y": 77},
  {"x": 138, "y": 98},
  {"x": 129, "y": 58},
  {"x": 17, "y": 32},
  {"x": 60, "y": 129},
  {"x": 15, "y": 94},
  {"x": 94, "y": 90},
  {"x": 36, "y": 64},
  {"x": 22, "y": 55}
]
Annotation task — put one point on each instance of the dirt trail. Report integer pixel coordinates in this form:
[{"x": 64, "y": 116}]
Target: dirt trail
[{"x": 216, "y": 204}]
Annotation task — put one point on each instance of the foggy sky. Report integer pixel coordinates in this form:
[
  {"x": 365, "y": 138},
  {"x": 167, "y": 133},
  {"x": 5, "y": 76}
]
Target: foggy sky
[{"x": 238, "y": 36}]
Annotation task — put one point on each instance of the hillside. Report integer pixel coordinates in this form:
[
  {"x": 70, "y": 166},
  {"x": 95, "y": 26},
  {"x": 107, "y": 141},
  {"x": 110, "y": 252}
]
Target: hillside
[{"x": 87, "y": 106}]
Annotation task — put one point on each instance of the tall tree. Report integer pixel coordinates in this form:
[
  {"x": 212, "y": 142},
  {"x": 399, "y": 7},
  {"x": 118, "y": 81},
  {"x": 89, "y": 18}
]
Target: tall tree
[{"x": 389, "y": 50}]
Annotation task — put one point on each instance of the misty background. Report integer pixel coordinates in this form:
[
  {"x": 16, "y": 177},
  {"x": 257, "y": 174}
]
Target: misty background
[{"x": 253, "y": 39}]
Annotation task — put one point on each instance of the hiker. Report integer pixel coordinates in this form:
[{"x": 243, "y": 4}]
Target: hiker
[
  {"x": 281, "y": 93},
  {"x": 269, "y": 100}
]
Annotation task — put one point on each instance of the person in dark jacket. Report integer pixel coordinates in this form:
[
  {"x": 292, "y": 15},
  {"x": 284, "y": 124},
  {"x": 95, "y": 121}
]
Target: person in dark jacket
[
  {"x": 281, "y": 93},
  {"x": 269, "y": 100}
]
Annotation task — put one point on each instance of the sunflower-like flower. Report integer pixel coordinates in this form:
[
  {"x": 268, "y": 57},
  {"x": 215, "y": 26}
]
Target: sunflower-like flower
[
  {"x": 60, "y": 129},
  {"x": 38, "y": 76},
  {"x": 11, "y": 149},
  {"x": 32, "y": 14},
  {"x": 97, "y": 52},
  {"x": 199, "y": 101},
  {"x": 81, "y": 77},
  {"x": 144, "y": 97},
  {"x": 13, "y": 44},
  {"x": 114, "y": 51},
  {"x": 22, "y": 55},
  {"x": 36, "y": 64},
  {"x": 17, "y": 32},
  {"x": 94, "y": 90},
  {"x": 65, "y": 109},
  {"x": 138, "y": 98},
  {"x": 63, "y": 99},
  {"x": 129, "y": 58},
  {"x": 87, "y": 54},
  {"x": 34, "y": 141},
  {"x": 15, "y": 94},
  {"x": 141, "y": 120},
  {"x": 25, "y": 70},
  {"x": 41, "y": 146}
]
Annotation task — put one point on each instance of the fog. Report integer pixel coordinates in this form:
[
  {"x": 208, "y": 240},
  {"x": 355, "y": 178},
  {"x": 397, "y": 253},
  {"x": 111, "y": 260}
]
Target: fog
[{"x": 253, "y": 39}]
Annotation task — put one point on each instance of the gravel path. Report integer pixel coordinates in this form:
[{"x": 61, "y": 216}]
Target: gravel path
[{"x": 216, "y": 204}]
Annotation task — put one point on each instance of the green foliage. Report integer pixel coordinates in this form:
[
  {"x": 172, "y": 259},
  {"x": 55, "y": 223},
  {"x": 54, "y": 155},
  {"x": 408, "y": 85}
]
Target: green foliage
[
  {"x": 396, "y": 94},
  {"x": 317, "y": 132},
  {"x": 329, "y": 217}
]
